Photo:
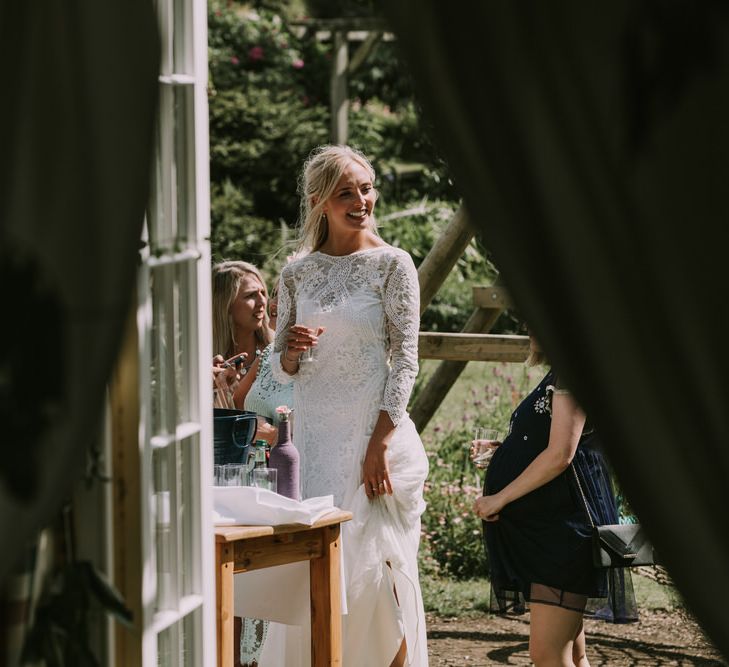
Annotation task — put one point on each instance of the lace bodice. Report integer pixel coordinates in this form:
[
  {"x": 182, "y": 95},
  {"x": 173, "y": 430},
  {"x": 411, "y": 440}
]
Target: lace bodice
[{"x": 370, "y": 304}]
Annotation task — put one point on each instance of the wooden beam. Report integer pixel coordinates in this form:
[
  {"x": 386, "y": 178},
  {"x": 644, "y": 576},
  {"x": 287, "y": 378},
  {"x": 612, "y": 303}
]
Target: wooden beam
[
  {"x": 338, "y": 93},
  {"x": 445, "y": 376},
  {"x": 473, "y": 347},
  {"x": 344, "y": 24},
  {"x": 364, "y": 50},
  {"x": 436, "y": 266},
  {"x": 491, "y": 296},
  {"x": 128, "y": 563},
  {"x": 272, "y": 550}
]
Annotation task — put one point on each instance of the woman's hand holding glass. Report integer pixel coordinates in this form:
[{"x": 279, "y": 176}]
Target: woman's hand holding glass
[
  {"x": 484, "y": 444},
  {"x": 309, "y": 316},
  {"x": 300, "y": 341}
]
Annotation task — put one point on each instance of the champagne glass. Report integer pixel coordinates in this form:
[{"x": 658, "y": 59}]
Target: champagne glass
[
  {"x": 485, "y": 442},
  {"x": 308, "y": 314}
]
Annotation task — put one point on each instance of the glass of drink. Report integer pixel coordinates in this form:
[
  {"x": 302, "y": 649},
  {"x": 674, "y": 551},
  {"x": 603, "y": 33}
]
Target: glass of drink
[
  {"x": 308, "y": 314},
  {"x": 485, "y": 442}
]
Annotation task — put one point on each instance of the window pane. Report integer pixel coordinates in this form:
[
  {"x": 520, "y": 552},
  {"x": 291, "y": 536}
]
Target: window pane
[
  {"x": 156, "y": 209},
  {"x": 163, "y": 364},
  {"x": 164, "y": 516},
  {"x": 162, "y": 231},
  {"x": 189, "y": 514},
  {"x": 166, "y": 647},
  {"x": 185, "y": 363},
  {"x": 184, "y": 162},
  {"x": 182, "y": 37},
  {"x": 192, "y": 640}
]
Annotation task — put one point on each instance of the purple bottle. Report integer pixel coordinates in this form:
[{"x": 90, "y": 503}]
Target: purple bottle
[{"x": 285, "y": 457}]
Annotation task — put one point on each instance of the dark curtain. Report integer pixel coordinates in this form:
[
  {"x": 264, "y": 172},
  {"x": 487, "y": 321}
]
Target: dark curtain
[
  {"x": 591, "y": 145},
  {"x": 79, "y": 92}
]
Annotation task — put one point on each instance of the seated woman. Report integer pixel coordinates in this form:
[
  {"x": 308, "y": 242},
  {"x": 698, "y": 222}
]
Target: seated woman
[{"x": 241, "y": 330}]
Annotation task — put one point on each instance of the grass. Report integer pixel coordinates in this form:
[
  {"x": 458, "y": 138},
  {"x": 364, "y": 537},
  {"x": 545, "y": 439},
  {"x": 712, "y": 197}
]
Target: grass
[
  {"x": 449, "y": 598},
  {"x": 650, "y": 594}
]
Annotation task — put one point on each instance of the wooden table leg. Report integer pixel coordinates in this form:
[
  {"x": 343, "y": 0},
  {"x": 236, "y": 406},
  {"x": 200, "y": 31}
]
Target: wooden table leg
[
  {"x": 224, "y": 602},
  {"x": 326, "y": 602}
]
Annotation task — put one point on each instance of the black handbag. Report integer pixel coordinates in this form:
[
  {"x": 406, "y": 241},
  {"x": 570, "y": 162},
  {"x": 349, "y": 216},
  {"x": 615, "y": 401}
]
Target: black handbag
[{"x": 617, "y": 545}]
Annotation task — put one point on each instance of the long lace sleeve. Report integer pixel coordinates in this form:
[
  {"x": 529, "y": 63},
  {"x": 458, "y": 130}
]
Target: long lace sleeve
[
  {"x": 402, "y": 322},
  {"x": 286, "y": 319}
]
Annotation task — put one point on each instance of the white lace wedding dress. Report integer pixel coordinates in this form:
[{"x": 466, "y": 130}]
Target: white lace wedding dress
[{"x": 366, "y": 361}]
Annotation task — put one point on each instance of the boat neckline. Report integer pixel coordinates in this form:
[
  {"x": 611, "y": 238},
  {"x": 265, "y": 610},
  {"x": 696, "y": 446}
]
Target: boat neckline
[{"x": 352, "y": 254}]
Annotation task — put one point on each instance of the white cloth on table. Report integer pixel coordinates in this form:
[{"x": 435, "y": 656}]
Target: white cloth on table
[
  {"x": 366, "y": 361},
  {"x": 251, "y": 506}
]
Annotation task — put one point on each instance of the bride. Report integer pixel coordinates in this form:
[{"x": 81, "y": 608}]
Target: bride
[{"x": 351, "y": 301}]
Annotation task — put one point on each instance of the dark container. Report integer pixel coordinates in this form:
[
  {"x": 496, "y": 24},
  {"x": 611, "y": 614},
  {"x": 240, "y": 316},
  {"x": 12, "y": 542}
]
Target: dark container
[{"x": 233, "y": 433}]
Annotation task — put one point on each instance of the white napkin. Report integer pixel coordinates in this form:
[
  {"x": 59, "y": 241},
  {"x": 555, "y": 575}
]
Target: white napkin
[{"x": 251, "y": 506}]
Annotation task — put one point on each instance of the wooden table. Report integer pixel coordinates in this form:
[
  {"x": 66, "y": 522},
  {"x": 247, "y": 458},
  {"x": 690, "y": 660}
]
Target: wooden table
[{"x": 247, "y": 548}]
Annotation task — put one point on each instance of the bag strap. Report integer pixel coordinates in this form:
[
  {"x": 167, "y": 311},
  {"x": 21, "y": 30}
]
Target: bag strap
[{"x": 582, "y": 493}]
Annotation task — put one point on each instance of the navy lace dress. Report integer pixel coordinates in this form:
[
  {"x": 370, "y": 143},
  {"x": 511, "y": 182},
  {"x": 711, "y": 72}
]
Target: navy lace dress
[{"x": 540, "y": 549}]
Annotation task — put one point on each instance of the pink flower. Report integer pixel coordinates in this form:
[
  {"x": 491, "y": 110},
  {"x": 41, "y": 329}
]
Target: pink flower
[
  {"x": 284, "y": 411},
  {"x": 297, "y": 63},
  {"x": 234, "y": 60},
  {"x": 256, "y": 53}
]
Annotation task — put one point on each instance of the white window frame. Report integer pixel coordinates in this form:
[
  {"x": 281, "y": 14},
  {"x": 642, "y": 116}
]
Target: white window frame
[{"x": 159, "y": 265}]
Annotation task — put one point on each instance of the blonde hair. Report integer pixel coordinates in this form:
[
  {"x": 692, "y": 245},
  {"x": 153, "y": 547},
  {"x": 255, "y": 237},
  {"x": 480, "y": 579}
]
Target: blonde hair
[
  {"x": 536, "y": 354},
  {"x": 227, "y": 277},
  {"x": 319, "y": 176}
]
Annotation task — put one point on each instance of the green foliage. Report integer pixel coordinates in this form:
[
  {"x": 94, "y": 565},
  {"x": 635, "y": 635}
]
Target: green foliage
[{"x": 266, "y": 113}]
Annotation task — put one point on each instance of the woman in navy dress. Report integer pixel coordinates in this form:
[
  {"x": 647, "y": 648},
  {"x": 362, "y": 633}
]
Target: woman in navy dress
[{"x": 537, "y": 533}]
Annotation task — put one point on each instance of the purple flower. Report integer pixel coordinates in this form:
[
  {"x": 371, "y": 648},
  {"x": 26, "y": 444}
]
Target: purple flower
[{"x": 256, "y": 53}]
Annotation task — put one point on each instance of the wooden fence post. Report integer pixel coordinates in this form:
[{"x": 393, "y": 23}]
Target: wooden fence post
[
  {"x": 436, "y": 266},
  {"x": 338, "y": 93}
]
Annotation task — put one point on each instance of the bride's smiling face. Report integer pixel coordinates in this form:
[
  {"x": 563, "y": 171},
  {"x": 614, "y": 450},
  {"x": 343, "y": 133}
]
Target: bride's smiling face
[{"x": 351, "y": 205}]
